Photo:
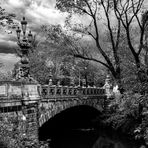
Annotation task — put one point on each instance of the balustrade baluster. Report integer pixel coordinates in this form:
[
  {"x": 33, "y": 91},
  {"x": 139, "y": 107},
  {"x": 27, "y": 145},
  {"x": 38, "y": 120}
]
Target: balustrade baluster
[
  {"x": 58, "y": 91},
  {"x": 55, "y": 91},
  {"x": 75, "y": 91},
  {"x": 91, "y": 90},
  {"x": 94, "y": 91},
  {"x": 67, "y": 91},
  {"x": 49, "y": 91},
  {"x": 44, "y": 91},
  {"x": 61, "y": 91},
  {"x": 97, "y": 91},
  {"x": 64, "y": 90},
  {"x": 70, "y": 91}
]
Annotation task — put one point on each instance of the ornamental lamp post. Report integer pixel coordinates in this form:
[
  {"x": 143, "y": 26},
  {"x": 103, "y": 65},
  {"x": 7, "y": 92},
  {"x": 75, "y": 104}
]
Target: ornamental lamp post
[
  {"x": 25, "y": 44},
  {"x": 50, "y": 65},
  {"x": 24, "y": 25},
  {"x": 26, "y": 85},
  {"x": 72, "y": 82},
  {"x": 18, "y": 32},
  {"x": 30, "y": 37}
]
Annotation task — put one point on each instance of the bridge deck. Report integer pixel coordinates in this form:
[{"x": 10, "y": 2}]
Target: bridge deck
[{"x": 14, "y": 94}]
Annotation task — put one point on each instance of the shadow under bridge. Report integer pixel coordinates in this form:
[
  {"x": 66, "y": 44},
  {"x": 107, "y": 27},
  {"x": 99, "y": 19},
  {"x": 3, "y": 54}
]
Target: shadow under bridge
[{"x": 75, "y": 118}]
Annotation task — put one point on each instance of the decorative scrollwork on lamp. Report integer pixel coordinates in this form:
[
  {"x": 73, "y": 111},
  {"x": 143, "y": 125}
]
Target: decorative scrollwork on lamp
[{"x": 25, "y": 45}]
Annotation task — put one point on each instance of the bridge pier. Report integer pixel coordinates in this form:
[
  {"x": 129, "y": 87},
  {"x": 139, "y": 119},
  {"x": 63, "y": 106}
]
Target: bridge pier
[
  {"x": 32, "y": 124},
  {"x": 19, "y": 125}
]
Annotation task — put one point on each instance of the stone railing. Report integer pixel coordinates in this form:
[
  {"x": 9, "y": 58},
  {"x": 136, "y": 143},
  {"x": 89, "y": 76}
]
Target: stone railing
[
  {"x": 14, "y": 93},
  {"x": 32, "y": 92},
  {"x": 65, "y": 91}
]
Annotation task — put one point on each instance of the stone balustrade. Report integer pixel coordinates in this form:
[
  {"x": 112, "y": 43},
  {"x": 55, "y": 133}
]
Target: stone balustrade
[
  {"x": 65, "y": 91},
  {"x": 14, "y": 93},
  {"x": 17, "y": 91}
]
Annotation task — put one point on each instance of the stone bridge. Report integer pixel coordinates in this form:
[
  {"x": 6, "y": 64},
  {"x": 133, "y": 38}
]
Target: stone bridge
[
  {"x": 57, "y": 99},
  {"x": 26, "y": 107}
]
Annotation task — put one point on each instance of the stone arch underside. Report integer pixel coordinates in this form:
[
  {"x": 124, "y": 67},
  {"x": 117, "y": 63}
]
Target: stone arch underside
[
  {"x": 50, "y": 108},
  {"x": 73, "y": 118}
]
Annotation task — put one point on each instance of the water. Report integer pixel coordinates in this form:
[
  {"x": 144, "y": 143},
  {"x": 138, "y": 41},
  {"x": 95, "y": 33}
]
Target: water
[
  {"x": 77, "y": 127},
  {"x": 89, "y": 138}
]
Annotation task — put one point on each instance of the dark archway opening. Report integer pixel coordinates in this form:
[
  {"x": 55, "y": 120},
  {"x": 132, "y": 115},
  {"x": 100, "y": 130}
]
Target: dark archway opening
[
  {"x": 74, "y": 118},
  {"x": 76, "y": 127}
]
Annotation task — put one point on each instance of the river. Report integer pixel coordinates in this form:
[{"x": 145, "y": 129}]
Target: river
[
  {"x": 90, "y": 138},
  {"x": 80, "y": 127}
]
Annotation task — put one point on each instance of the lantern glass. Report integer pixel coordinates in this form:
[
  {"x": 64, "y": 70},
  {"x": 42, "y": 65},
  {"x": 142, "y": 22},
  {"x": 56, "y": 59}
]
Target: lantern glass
[
  {"x": 9, "y": 21},
  {"x": 24, "y": 39},
  {"x": 30, "y": 36},
  {"x": 18, "y": 32},
  {"x": 24, "y": 24}
]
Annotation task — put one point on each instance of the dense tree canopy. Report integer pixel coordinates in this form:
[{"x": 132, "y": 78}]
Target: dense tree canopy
[
  {"x": 64, "y": 65},
  {"x": 6, "y": 19},
  {"x": 112, "y": 16}
]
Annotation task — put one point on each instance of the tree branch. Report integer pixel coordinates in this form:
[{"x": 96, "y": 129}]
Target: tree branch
[
  {"x": 91, "y": 59},
  {"x": 118, "y": 34},
  {"x": 83, "y": 10},
  {"x": 91, "y": 12},
  {"x": 91, "y": 35}
]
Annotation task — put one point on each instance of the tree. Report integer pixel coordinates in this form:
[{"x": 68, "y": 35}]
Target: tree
[
  {"x": 45, "y": 60},
  {"x": 126, "y": 11},
  {"x": 130, "y": 13},
  {"x": 6, "y": 76},
  {"x": 116, "y": 14},
  {"x": 60, "y": 46},
  {"x": 6, "y": 19},
  {"x": 91, "y": 8},
  {"x": 38, "y": 67}
]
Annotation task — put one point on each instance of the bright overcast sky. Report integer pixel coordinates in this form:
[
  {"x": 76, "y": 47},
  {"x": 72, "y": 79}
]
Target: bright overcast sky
[{"x": 37, "y": 13}]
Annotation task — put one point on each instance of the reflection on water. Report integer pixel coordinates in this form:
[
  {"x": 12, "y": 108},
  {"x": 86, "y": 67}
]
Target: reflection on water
[
  {"x": 88, "y": 138},
  {"x": 81, "y": 127},
  {"x": 105, "y": 142}
]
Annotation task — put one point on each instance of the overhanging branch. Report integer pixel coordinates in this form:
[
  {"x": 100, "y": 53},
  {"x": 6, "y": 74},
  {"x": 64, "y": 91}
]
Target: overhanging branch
[{"x": 91, "y": 59}]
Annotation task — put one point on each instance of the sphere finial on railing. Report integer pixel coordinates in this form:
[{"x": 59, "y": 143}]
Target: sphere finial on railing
[{"x": 108, "y": 86}]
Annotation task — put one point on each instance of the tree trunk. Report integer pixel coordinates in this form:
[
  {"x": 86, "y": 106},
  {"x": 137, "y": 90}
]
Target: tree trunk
[{"x": 117, "y": 78}]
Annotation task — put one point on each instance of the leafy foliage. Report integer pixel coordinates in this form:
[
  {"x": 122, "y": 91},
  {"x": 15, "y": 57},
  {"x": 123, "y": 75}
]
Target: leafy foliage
[
  {"x": 129, "y": 115},
  {"x": 125, "y": 13},
  {"x": 6, "y": 76},
  {"x": 6, "y": 19}
]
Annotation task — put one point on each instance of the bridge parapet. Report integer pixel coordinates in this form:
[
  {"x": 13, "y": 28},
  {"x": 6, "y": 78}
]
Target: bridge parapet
[
  {"x": 64, "y": 91},
  {"x": 13, "y": 93}
]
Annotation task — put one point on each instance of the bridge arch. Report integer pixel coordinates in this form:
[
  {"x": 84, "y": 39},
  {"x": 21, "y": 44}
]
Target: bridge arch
[
  {"x": 76, "y": 117},
  {"x": 49, "y": 109}
]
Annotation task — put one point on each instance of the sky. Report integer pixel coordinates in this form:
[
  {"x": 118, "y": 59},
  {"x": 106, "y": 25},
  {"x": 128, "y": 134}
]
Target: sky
[{"x": 37, "y": 13}]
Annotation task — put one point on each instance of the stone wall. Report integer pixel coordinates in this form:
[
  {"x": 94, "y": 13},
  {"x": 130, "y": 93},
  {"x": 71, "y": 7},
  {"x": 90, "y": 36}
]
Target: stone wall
[
  {"x": 48, "y": 109},
  {"x": 18, "y": 126}
]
